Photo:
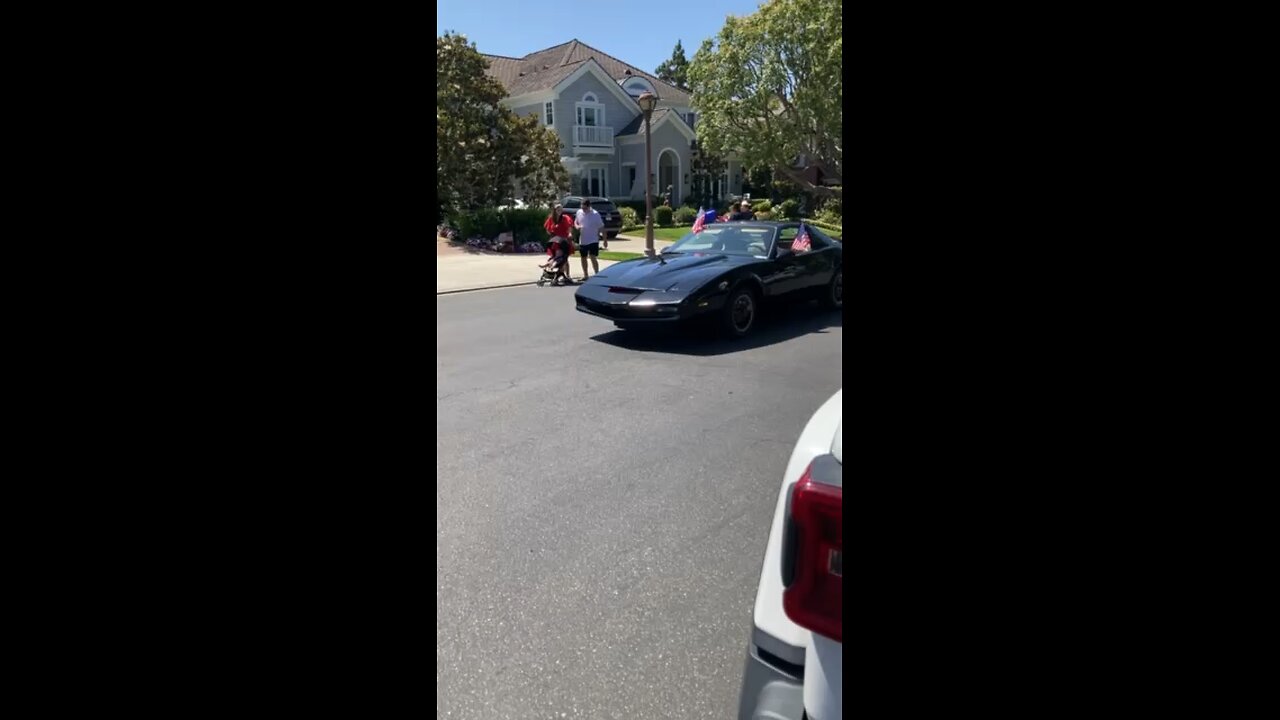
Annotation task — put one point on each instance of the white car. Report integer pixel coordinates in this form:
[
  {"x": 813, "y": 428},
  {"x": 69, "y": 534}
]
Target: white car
[{"x": 795, "y": 658}]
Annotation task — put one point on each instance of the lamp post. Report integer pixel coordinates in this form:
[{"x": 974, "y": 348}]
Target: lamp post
[{"x": 647, "y": 101}]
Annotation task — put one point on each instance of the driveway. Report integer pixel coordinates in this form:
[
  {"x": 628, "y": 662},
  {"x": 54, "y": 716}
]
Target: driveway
[{"x": 603, "y": 502}]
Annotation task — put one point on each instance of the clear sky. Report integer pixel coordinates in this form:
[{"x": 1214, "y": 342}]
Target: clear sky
[{"x": 640, "y": 33}]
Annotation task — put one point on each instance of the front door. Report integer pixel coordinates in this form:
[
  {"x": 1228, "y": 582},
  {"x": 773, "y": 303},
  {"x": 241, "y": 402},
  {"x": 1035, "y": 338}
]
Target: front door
[{"x": 595, "y": 182}]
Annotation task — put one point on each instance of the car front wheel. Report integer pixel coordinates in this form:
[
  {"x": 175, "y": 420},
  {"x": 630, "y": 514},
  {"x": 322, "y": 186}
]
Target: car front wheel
[
  {"x": 740, "y": 311},
  {"x": 834, "y": 297}
]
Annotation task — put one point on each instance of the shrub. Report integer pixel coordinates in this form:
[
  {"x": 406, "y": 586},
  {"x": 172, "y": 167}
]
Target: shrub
[
  {"x": 764, "y": 215},
  {"x": 831, "y": 207},
  {"x": 630, "y": 218},
  {"x": 636, "y": 205},
  {"x": 662, "y": 215},
  {"x": 485, "y": 223},
  {"x": 684, "y": 215},
  {"x": 789, "y": 209},
  {"x": 829, "y": 217},
  {"x": 761, "y": 206},
  {"x": 525, "y": 224}
]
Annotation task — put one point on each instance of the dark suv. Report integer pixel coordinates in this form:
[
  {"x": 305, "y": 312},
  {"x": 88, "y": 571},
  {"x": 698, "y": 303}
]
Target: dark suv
[{"x": 608, "y": 212}]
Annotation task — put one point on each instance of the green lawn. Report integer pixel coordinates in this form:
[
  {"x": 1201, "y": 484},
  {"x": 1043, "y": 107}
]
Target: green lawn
[
  {"x": 661, "y": 233},
  {"x": 611, "y": 255}
]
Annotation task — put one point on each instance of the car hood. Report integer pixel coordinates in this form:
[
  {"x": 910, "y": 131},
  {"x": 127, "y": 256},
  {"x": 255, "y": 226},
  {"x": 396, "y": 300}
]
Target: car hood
[{"x": 663, "y": 271}]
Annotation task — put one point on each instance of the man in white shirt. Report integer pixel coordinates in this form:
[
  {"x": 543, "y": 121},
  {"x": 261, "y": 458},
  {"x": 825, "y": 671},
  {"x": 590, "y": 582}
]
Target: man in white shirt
[{"x": 591, "y": 230}]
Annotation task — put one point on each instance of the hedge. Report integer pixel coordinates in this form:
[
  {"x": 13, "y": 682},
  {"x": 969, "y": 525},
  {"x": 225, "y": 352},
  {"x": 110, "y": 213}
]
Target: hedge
[
  {"x": 826, "y": 227},
  {"x": 525, "y": 224}
]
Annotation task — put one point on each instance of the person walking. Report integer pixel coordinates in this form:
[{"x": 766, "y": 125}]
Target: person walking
[
  {"x": 560, "y": 227},
  {"x": 590, "y": 227}
]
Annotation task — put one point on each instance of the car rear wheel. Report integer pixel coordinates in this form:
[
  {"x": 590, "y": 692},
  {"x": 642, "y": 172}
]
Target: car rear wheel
[
  {"x": 740, "y": 311},
  {"x": 834, "y": 297}
]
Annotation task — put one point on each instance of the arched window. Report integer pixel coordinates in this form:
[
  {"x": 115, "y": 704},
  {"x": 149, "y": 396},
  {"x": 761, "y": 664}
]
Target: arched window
[
  {"x": 635, "y": 86},
  {"x": 590, "y": 113}
]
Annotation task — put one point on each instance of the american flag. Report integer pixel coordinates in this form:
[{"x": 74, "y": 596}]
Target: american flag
[
  {"x": 801, "y": 243},
  {"x": 697, "y": 224}
]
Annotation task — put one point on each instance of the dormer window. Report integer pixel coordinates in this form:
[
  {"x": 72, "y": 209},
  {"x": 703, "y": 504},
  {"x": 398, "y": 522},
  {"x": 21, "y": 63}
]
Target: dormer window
[{"x": 636, "y": 85}]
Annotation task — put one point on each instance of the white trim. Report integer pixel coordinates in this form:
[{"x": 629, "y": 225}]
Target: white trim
[
  {"x": 585, "y": 174},
  {"x": 681, "y": 124},
  {"x": 593, "y": 67},
  {"x": 648, "y": 85},
  {"x": 679, "y": 183},
  {"x": 588, "y": 94},
  {"x": 639, "y": 137},
  {"x": 540, "y": 96},
  {"x": 578, "y": 107}
]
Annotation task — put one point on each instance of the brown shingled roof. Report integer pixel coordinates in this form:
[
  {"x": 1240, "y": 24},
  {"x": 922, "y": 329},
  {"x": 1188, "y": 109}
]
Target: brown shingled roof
[{"x": 543, "y": 69}]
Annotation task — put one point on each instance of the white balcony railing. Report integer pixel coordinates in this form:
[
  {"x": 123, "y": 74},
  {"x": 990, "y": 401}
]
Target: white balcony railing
[{"x": 593, "y": 135}]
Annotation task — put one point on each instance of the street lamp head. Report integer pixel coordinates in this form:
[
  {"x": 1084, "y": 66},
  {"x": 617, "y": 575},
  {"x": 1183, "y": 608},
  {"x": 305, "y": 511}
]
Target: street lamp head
[{"x": 647, "y": 102}]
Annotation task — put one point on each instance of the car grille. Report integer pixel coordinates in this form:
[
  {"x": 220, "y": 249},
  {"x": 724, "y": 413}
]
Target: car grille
[{"x": 625, "y": 312}]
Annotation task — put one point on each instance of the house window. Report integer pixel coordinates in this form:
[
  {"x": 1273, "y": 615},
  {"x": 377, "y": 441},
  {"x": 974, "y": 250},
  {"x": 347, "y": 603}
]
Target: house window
[
  {"x": 636, "y": 86},
  {"x": 590, "y": 111},
  {"x": 631, "y": 177},
  {"x": 590, "y": 115},
  {"x": 546, "y": 112}
]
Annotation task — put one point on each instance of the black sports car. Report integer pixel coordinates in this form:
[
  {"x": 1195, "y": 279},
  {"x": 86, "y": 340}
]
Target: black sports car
[{"x": 722, "y": 273}]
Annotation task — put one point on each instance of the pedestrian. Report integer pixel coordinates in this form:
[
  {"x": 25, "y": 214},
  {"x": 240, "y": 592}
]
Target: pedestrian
[
  {"x": 590, "y": 227},
  {"x": 744, "y": 212},
  {"x": 560, "y": 227}
]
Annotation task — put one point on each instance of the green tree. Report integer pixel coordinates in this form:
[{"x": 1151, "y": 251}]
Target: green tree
[
  {"x": 675, "y": 69},
  {"x": 769, "y": 86},
  {"x": 483, "y": 150}
]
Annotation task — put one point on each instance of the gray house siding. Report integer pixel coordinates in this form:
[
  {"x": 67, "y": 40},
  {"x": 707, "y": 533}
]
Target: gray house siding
[
  {"x": 616, "y": 114},
  {"x": 664, "y": 137},
  {"x": 537, "y": 109},
  {"x": 631, "y": 154}
]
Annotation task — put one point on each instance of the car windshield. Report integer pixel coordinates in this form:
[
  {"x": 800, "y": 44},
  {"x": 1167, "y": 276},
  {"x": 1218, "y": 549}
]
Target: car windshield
[
  {"x": 603, "y": 206},
  {"x": 729, "y": 239}
]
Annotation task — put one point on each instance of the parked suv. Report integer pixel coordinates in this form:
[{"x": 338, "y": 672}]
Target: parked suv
[
  {"x": 795, "y": 656},
  {"x": 608, "y": 212}
]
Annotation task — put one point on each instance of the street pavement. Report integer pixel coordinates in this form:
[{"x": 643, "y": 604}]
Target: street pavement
[{"x": 603, "y": 499}]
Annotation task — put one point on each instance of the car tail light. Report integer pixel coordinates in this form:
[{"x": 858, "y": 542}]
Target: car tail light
[{"x": 813, "y": 550}]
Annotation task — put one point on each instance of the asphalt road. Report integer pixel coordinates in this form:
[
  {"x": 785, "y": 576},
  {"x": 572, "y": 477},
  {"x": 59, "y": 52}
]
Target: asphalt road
[{"x": 603, "y": 501}]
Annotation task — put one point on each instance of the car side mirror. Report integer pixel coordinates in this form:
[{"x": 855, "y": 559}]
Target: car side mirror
[{"x": 784, "y": 252}]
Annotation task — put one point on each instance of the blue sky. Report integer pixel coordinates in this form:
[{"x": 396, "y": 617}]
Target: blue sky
[{"x": 640, "y": 33}]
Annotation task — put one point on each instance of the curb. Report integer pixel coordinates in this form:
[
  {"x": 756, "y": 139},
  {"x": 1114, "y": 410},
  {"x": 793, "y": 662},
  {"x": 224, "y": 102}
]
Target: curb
[{"x": 484, "y": 287}]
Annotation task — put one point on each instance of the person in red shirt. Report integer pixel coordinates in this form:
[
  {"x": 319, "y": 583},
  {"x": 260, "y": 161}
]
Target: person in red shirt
[{"x": 559, "y": 225}]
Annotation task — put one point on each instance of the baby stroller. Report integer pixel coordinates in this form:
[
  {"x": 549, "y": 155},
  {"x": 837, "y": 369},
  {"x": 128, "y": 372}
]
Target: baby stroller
[{"x": 557, "y": 264}]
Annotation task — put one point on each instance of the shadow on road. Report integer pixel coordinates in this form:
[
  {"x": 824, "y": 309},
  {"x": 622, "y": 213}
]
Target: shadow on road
[{"x": 774, "y": 326}]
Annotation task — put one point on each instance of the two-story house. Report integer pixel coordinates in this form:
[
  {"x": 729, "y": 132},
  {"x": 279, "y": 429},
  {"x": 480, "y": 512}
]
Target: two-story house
[{"x": 589, "y": 98}]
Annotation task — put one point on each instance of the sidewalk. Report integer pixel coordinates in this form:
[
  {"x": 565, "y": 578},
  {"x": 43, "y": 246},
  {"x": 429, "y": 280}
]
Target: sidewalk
[{"x": 459, "y": 269}]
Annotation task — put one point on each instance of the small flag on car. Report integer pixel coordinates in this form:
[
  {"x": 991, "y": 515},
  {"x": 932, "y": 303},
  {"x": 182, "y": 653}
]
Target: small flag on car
[
  {"x": 697, "y": 224},
  {"x": 801, "y": 243}
]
